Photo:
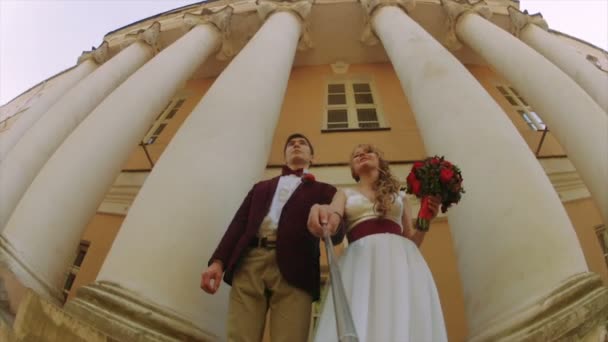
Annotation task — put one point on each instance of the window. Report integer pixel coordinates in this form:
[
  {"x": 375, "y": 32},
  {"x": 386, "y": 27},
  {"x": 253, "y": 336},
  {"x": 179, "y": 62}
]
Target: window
[
  {"x": 352, "y": 105},
  {"x": 523, "y": 108},
  {"x": 162, "y": 120},
  {"x": 73, "y": 271},
  {"x": 602, "y": 236}
]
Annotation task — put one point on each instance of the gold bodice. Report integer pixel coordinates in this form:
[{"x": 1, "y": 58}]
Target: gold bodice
[{"x": 359, "y": 208}]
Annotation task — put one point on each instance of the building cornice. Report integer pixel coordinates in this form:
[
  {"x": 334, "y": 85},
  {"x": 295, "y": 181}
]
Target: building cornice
[{"x": 562, "y": 174}]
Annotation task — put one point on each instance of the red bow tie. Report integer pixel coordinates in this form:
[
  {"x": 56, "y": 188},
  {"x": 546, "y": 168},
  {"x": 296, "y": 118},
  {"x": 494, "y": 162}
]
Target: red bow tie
[{"x": 287, "y": 171}]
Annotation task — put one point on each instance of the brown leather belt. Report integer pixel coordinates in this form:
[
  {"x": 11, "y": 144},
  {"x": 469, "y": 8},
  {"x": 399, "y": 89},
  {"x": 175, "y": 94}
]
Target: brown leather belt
[{"x": 263, "y": 243}]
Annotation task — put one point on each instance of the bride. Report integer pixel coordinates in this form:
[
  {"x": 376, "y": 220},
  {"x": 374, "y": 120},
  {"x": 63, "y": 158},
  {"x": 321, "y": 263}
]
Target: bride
[{"x": 390, "y": 289}]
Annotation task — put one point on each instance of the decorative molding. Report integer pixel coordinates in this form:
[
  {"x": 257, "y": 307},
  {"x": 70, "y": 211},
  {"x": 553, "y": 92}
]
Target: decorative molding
[
  {"x": 519, "y": 20},
  {"x": 122, "y": 193},
  {"x": 301, "y": 9},
  {"x": 455, "y": 10},
  {"x": 149, "y": 36},
  {"x": 126, "y": 316},
  {"x": 563, "y": 176},
  {"x": 371, "y": 7},
  {"x": 565, "y": 179},
  {"x": 340, "y": 67},
  {"x": 570, "y": 312},
  {"x": 221, "y": 20},
  {"x": 100, "y": 54}
]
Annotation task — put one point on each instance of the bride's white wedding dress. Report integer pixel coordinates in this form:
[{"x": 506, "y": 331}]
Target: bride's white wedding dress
[{"x": 391, "y": 291}]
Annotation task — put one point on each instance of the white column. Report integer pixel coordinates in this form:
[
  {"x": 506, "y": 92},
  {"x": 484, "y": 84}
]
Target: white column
[
  {"x": 55, "y": 90},
  {"x": 46, "y": 225},
  {"x": 532, "y": 30},
  {"x": 27, "y": 157},
  {"x": 576, "y": 120},
  {"x": 188, "y": 200},
  {"x": 510, "y": 222}
]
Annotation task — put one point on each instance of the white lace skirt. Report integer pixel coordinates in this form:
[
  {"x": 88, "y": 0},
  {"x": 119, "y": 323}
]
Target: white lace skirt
[{"x": 391, "y": 293}]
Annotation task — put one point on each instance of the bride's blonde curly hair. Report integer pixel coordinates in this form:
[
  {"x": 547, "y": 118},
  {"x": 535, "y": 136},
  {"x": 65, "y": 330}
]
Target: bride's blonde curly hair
[{"x": 386, "y": 186}]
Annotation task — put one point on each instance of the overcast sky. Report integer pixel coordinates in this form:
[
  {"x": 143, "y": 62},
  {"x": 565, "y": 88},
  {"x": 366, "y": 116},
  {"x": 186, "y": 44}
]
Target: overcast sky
[{"x": 41, "y": 38}]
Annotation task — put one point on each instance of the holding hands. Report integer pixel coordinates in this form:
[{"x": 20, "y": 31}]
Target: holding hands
[{"x": 320, "y": 216}]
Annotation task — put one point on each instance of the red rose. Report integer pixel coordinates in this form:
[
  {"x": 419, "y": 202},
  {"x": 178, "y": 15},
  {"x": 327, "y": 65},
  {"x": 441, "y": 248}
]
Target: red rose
[
  {"x": 417, "y": 165},
  {"x": 446, "y": 164},
  {"x": 446, "y": 175},
  {"x": 435, "y": 161},
  {"x": 416, "y": 185},
  {"x": 308, "y": 178},
  {"x": 411, "y": 178}
]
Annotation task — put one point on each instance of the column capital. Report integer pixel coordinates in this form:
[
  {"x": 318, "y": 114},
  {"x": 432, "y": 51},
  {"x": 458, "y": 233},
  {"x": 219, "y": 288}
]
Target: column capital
[
  {"x": 301, "y": 9},
  {"x": 221, "y": 21},
  {"x": 519, "y": 20},
  {"x": 368, "y": 36},
  {"x": 100, "y": 54},
  {"x": 455, "y": 10},
  {"x": 149, "y": 36}
]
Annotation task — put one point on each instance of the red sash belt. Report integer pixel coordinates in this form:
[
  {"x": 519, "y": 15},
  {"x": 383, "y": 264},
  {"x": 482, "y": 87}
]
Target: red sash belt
[{"x": 373, "y": 226}]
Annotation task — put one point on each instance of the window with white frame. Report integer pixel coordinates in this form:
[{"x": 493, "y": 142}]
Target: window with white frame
[
  {"x": 162, "y": 120},
  {"x": 522, "y": 107},
  {"x": 81, "y": 253},
  {"x": 352, "y": 105}
]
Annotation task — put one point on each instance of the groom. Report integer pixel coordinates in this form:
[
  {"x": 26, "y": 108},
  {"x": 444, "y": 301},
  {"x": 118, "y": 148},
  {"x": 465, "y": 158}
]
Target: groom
[{"x": 268, "y": 255}]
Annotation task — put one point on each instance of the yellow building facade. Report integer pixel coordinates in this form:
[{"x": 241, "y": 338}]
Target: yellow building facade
[{"x": 120, "y": 175}]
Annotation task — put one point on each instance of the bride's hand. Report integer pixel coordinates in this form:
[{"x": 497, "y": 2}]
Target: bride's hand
[
  {"x": 318, "y": 217},
  {"x": 434, "y": 203}
]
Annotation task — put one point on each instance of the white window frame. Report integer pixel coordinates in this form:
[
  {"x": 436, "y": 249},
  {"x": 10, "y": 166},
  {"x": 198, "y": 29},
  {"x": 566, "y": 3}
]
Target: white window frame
[
  {"x": 74, "y": 269},
  {"x": 524, "y": 110},
  {"x": 163, "y": 119},
  {"x": 351, "y": 106}
]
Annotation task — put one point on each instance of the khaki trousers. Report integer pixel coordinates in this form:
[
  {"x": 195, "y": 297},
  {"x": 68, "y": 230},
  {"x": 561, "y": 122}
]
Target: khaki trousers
[{"x": 258, "y": 286}]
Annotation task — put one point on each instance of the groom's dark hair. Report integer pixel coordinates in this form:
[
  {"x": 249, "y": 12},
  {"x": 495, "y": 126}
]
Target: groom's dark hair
[{"x": 298, "y": 135}]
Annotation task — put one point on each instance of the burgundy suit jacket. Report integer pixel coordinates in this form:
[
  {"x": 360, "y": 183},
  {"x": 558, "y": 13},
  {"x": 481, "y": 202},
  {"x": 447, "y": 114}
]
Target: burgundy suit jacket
[{"x": 297, "y": 249}]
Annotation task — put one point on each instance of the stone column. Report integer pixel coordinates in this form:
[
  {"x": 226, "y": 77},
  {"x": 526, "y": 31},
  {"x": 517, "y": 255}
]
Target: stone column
[
  {"x": 576, "y": 120},
  {"x": 55, "y": 90},
  {"x": 512, "y": 254},
  {"x": 40, "y": 237},
  {"x": 532, "y": 30},
  {"x": 24, "y": 161},
  {"x": 196, "y": 187}
]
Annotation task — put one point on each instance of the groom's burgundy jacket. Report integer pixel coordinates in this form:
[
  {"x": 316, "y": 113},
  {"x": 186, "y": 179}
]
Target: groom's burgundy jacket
[{"x": 297, "y": 249}]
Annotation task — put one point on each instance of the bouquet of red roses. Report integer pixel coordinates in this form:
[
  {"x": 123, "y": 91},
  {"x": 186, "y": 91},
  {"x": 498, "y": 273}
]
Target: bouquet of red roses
[{"x": 434, "y": 176}]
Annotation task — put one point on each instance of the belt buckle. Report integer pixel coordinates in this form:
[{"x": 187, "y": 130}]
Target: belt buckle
[{"x": 266, "y": 243}]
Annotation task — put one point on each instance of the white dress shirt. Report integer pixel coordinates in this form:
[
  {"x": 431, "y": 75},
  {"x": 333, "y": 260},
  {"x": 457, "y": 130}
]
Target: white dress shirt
[{"x": 285, "y": 188}]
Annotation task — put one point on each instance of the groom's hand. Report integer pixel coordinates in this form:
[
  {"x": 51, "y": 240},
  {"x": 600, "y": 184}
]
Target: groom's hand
[
  {"x": 318, "y": 218},
  {"x": 212, "y": 277}
]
